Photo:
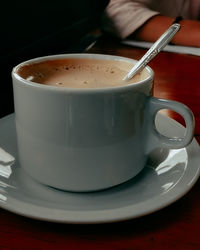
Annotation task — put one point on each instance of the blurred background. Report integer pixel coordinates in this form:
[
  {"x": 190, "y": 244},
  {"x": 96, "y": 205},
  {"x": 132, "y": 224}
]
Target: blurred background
[{"x": 37, "y": 28}]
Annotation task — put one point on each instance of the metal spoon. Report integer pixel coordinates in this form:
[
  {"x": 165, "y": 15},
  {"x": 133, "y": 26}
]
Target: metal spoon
[{"x": 164, "y": 39}]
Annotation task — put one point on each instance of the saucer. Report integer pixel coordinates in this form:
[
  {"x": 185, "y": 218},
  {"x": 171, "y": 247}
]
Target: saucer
[{"x": 168, "y": 175}]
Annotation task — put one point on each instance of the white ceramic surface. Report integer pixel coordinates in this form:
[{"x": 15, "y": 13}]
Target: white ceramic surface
[
  {"x": 167, "y": 177},
  {"x": 88, "y": 139}
]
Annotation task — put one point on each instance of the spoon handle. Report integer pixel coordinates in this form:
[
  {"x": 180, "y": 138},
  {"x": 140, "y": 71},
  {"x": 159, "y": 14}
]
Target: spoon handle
[{"x": 154, "y": 50}]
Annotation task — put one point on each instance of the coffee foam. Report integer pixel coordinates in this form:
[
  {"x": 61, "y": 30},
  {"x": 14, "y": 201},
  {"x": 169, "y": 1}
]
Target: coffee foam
[{"x": 79, "y": 73}]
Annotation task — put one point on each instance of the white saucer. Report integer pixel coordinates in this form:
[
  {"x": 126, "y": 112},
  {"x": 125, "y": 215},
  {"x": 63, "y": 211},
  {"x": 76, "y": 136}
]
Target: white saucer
[{"x": 167, "y": 177}]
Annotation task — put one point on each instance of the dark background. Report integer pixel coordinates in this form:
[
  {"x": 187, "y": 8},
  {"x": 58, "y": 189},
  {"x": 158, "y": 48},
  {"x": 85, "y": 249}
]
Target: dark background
[{"x": 41, "y": 27}]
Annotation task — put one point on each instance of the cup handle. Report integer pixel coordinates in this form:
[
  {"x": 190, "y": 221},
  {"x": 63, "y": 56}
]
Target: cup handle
[{"x": 157, "y": 139}]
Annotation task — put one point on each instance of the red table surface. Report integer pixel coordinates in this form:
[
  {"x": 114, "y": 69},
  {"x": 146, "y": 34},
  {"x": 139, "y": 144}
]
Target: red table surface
[{"x": 177, "y": 226}]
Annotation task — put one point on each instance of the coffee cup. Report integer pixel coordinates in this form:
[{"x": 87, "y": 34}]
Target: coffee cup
[{"x": 93, "y": 131}]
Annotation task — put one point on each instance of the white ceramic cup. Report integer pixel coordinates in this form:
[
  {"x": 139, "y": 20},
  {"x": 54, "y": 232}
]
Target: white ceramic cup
[{"x": 89, "y": 139}]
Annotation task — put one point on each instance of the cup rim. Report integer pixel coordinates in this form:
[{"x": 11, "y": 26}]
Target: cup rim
[{"x": 80, "y": 90}]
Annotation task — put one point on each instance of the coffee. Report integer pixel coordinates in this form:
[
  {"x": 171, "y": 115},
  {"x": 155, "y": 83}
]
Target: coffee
[
  {"x": 79, "y": 73},
  {"x": 88, "y": 139}
]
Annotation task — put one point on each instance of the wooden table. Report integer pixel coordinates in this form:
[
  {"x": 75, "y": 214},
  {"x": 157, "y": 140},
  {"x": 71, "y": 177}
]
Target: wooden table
[{"x": 177, "y": 226}]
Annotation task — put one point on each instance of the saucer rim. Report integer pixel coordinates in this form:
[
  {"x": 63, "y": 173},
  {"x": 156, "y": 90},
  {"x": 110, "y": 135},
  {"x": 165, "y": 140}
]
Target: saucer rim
[{"x": 110, "y": 215}]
